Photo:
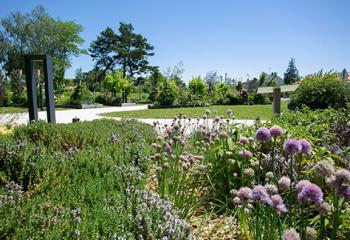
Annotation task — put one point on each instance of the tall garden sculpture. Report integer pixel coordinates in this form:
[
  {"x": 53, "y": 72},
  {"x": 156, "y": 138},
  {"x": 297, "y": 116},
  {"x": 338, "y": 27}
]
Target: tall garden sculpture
[{"x": 32, "y": 87}]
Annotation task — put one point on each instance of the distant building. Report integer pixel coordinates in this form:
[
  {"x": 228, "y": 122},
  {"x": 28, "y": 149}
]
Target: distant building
[
  {"x": 274, "y": 80},
  {"x": 250, "y": 85}
]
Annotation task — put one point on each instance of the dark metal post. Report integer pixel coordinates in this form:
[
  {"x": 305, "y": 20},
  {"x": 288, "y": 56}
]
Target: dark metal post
[
  {"x": 276, "y": 100},
  {"x": 31, "y": 89},
  {"x": 49, "y": 92}
]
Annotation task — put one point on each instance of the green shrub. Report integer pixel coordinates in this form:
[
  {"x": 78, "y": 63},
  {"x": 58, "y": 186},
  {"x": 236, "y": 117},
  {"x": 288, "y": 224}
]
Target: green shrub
[
  {"x": 167, "y": 93},
  {"x": 321, "y": 90},
  {"x": 82, "y": 95},
  {"x": 108, "y": 99}
]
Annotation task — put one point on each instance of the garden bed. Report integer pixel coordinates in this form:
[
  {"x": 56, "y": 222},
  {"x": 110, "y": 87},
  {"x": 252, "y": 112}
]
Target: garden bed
[{"x": 109, "y": 179}]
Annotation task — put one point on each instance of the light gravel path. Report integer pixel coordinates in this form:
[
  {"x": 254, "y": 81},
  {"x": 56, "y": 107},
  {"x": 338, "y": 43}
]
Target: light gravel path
[{"x": 66, "y": 116}]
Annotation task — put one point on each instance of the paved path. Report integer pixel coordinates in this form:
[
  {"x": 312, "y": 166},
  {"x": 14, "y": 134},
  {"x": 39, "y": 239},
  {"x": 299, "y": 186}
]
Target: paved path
[{"x": 66, "y": 116}]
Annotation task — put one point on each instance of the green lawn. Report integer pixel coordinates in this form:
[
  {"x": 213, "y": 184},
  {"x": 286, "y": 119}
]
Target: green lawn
[
  {"x": 4, "y": 110},
  {"x": 239, "y": 111}
]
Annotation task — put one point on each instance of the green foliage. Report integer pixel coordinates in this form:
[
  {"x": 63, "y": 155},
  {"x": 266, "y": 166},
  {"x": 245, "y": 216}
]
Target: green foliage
[
  {"x": 321, "y": 90},
  {"x": 82, "y": 95},
  {"x": 291, "y": 75},
  {"x": 166, "y": 93},
  {"x": 199, "y": 90},
  {"x": 116, "y": 83},
  {"x": 38, "y": 33},
  {"x": 127, "y": 49},
  {"x": 197, "y": 86},
  {"x": 81, "y": 180}
]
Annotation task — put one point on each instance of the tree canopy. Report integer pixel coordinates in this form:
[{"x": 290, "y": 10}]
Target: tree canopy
[
  {"x": 291, "y": 75},
  {"x": 125, "y": 49},
  {"x": 38, "y": 33}
]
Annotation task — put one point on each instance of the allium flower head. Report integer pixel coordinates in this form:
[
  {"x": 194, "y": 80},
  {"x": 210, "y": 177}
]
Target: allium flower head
[
  {"x": 292, "y": 147},
  {"x": 244, "y": 193},
  {"x": 305, "y": 146},
  {"x": 169, "y": 130},
  {"x": 269, "y": 175},
  {"x": 284, "y": 183},
  {"x": 260, "y": 195},
  {"x": 301, "y": 184},
  {"x": 236, "y": 200},
  {"x": 310, "y": 233},
  {"x": 168, "y": 149},
  {"x": 246, "y": 154},
  {"x": 278, "y": 204},
  {"x": 342, "y": 176},
  {"x": 263, "y": 135},
  {"x": 243, "y": 140},
  {"x": 249, "y": 172},
  {"x": 229, "y": 111},
  {"x": 207, "y": 112},
  {"x": 276, "y": 131},
  {"x": 324, "y": 169},
  {"x": 345, "y": 192},
  {"x": 324, "y": 208},
  {"x": 311, "y": 194},
  {"x": 291, "y": 234},
  {"x": 271, "y": 189}
]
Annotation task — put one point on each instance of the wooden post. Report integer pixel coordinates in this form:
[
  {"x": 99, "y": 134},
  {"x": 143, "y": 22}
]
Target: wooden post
[{"x": 277, "y": 100}]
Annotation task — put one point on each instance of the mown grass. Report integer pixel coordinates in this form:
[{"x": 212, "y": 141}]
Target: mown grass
[{"x": 239, "y": 112}]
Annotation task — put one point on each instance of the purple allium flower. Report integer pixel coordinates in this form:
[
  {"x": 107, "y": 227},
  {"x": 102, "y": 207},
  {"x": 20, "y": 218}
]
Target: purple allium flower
[
  {"x": 263, "y": 135},
  {"x": 324, "y": 208},
  {"x": 276, "y": 199},
  {"x": 244, "y": 193},
  {"x": 345, "y": 192},
  {"x": 305, "y": 146},
  {"x": 311, "y": 194},
  {"x": 310, "y": 233},
  {"x": 324, "y": 169},
  {"x": 276, "y": 131},
  {"x": 342, "y": 176},
  {"x": 291, "y": 234},
  {"x": 243, "y": 140},
  {"x": 281, "y": 208},
  {"x": 168, "y": 149},
  {"x": 260, "y": 195},
  {"x": 249, "y": 172},
  {"x": 246, "y": 154},
  {"x": 236, "y": 200},
  {"x": 301, "y": 184},
  {"x": 292, "y": 147},
  {"x": 229, "y": 111},
  {"x": 278, "y": 204},
  {"x": 169, "y": 130},
  {"x": 284, "y": 183}
]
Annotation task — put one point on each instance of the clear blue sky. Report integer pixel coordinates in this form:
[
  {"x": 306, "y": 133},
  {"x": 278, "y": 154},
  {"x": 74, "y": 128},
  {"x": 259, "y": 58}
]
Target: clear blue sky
[{"x": 238, "y": 37}]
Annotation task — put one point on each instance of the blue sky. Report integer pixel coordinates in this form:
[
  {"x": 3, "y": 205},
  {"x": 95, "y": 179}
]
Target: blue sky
[{"x": 237, "y": 37}]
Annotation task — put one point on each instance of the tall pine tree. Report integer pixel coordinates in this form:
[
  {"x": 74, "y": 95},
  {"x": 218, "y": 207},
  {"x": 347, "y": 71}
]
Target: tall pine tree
[{"x": 291, "y": 75}]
